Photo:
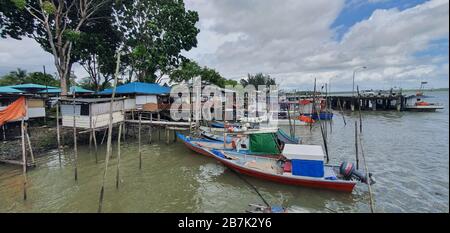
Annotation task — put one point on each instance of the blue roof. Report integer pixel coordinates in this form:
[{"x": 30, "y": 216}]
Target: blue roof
[
  {"x": 58, "y": 90},
  {"x": 30, "y": 86},
  {"x": 139, "y": 88},
  {"x": 9, "y": 90}
]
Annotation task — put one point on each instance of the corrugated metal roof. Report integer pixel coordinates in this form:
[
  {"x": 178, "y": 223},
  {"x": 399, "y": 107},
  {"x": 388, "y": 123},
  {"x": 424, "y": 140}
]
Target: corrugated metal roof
[
  {"x": 58, "y": 90},
  {"x": 8, "y": 89},
  {"x": 139, "y": 88},
  {"x": 30, "y": 86}
]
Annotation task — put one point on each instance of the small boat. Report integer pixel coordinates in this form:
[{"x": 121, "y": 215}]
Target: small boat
[
  {"x": 300, "y": 165},
  {"x": 322, "y": 115},
  {"x": 255, "y": 143},
  {"x": 416, "y": 103},
  {"x": 208, "y": 133},
  {"x": 201, "y": 145}
]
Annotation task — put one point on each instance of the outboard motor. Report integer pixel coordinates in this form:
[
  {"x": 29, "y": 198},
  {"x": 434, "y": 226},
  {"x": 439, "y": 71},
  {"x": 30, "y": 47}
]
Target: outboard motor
[{"x": 348, "y": 171}]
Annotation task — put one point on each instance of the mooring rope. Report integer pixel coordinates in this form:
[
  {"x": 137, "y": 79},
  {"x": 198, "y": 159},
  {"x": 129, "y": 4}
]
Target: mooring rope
[{"x": 253, "y": 187}]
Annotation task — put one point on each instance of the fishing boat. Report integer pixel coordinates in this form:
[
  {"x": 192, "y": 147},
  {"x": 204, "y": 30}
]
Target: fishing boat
[
  {"x": 417, "y": 103},
  {"x": 320, "y": 116},
  {"x": 210, "y": 133},
  {"x": 258, "y": 143},
  {"x": 300, "y": 165}
]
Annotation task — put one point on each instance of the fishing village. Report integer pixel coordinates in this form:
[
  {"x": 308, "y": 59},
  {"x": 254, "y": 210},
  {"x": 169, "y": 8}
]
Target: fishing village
[{"x": 151, "y": 130}]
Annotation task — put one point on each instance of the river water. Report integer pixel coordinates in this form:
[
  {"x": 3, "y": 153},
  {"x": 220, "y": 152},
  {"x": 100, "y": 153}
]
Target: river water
[{"x": 407, "y": 152}]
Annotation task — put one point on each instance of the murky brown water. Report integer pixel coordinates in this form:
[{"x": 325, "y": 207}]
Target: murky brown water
[{"x": 407, "y": 152}]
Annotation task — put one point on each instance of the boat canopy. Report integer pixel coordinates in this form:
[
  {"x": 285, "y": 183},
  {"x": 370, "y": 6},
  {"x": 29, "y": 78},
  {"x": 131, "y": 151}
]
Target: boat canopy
[{"x": 264, "y": 143}]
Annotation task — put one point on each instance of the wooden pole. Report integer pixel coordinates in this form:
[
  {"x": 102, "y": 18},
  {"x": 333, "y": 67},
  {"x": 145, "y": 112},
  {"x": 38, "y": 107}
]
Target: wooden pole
[
  {"x": 139, "y": 148},
  {"x": 24, "y": 161},
  {"x": 356, "y": 144},
  {"x": 108, "y": 145},
  {"x": 58, "y": 135},
  {"x": 94, "y": 137},
  {"x": 360, "y": 116},
  {"x": 342, "y": 111},
  {"x": 118, "y": 156},
  {"x": 75, "y": 149},
  {"x": 4, "y": 132},
  {"x": 104, "y": 136},
  {"x": 29, "y": 144},
  {"x": 371, "y": 203}
]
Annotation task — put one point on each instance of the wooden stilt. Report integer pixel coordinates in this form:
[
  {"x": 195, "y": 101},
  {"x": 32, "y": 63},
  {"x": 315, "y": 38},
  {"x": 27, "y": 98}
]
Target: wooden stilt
[
  {"x": 108, "y": 144},
  {"x": 118, "y": 156},
  {"x": 159, "y": 129},
  {"x": 139, "y": 148},
  {"x": 29, "y": 145},
  {"x": 58, "y": 135},
  {"x": 94, "y": 137},
  {"x": 75, "y": 149},
  {"x": 24, "y": 161},
  {"x": 4, "y": 132},
  {"x": 356, "y": 145},
  {"x": 104, "y": 136},
  {"x": 90, "y": 140}
]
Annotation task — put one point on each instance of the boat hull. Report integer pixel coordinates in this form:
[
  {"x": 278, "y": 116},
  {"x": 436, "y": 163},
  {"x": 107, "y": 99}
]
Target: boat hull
[
  {"x": 423, "y": 108},
  {"x": 342, "y": 186}
]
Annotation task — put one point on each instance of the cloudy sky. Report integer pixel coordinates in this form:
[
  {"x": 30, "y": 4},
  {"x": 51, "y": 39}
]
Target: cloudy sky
[{"x": 401, "y": 42}]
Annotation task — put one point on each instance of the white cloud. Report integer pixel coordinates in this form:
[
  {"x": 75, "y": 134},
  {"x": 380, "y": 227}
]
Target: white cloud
[{"x": 293, "y": 41}]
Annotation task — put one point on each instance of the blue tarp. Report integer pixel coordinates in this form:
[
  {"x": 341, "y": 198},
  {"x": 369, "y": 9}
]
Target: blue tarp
[{"x": 139, "y": 88}]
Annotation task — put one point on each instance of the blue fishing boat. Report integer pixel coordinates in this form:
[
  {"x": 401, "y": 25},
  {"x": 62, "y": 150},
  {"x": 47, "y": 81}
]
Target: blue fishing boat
[{"x": 322, "y": 115}]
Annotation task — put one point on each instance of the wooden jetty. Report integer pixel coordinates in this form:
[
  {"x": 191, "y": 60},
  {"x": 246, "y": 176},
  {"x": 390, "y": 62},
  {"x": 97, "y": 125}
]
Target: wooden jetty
[{"x": 373, "y": 102}]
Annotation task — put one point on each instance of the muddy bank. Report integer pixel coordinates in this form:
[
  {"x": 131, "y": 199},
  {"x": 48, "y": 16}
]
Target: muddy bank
[{"x": 43, "y": 139}]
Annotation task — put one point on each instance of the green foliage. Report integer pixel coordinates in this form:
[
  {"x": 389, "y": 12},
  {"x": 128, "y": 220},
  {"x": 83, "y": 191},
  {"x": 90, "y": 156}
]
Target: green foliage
[
  {"x": 72, "y": 35},
  {"x": 20, "y": 76},
  {"x": 258, "y": 79},
  {"x": 19, "y": 3},
  {"x": 154, "y": 33},
  {"x": 190, "y": 69},
  {"x": 48, "y": 7}
]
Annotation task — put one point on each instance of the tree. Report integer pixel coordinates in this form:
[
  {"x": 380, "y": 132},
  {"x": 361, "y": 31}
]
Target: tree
[
  {"x": 95, "y": 49},
  {"x": 14, "y": 77},
  {"x": 55, "y": 24},
  {"x": 21, "y": 76},
  {"x": 154, "y": 34},
  {"x": 190, "y": 69},
  {"x": 258, "y": 79}
]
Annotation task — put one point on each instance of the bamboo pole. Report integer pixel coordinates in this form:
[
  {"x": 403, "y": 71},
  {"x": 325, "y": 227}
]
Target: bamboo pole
[
  {"x": 359, "y": 103},
  {"x": 371, "y": 203},
  {"x": 24, "y": 161},
  {"x": 75, "y": 149},
  {"x": 94, "y": 137},
  {"x": 356, "y": 145},
  {"x": 4, "y": 132},
  {"x": 104, "y": 136},
  {"x": 139, "y": 139},
  {"x": 58, "y": 135},
  {"x": 342, "y": 111},
  {"x": 118, "y": 156},
  {"x": 29, "y": 144},
  {"x": 108, "y": 145}
]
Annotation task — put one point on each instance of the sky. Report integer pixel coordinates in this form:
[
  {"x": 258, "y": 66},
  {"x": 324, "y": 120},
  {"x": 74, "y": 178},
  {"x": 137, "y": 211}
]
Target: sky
[{"x": 400, "y": 42}]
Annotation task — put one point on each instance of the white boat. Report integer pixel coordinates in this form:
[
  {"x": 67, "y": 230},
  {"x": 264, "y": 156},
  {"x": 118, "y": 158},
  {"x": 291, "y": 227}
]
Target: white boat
[{"x": 416, "y": 103}]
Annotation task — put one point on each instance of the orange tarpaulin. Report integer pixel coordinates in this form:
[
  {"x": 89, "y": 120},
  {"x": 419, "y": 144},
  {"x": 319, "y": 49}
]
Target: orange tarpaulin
[{"x": 14, "y": 111}]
